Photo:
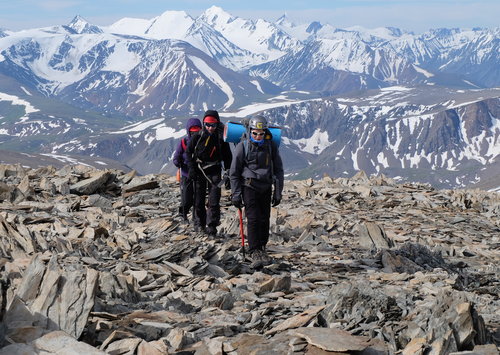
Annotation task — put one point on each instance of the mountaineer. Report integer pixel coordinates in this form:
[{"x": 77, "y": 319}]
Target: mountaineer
[
  {"x": 193, "y": 125},
  {"x": 255, "y": 168},
  {"x": 208, "y": 155}
]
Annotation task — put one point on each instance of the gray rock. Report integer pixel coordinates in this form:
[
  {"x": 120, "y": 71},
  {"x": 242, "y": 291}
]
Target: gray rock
[
  {"x": 91, "y": 185},
  {"x": 372, "y": 236},
  {"x": 434, "y": 289}
]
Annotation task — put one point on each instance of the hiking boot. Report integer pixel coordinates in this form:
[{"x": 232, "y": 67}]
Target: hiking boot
[
  {"x": 211, "y": 231},
  {"x": 256, "y": 261},
  {"x": 199, "y": 229},
  {"x": 266, "y": 259}
]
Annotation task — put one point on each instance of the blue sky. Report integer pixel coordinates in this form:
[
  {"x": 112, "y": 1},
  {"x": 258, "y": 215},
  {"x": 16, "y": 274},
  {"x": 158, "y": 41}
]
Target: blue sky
[{"x": 414, "y": 15}]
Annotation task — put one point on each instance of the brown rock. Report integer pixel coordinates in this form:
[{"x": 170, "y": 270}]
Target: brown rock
[
  {"x": 297, "y": 321},
  {"x": 332, "y": 339}
]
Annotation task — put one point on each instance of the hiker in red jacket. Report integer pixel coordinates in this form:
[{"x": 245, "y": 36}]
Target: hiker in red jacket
[
  {"x": 193, "y": 125},
  {"x": 207, "y": 156}
]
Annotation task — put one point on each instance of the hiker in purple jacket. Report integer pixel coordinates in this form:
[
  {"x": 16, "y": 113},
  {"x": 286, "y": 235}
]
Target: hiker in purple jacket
[{"x": 193, "y": 125}]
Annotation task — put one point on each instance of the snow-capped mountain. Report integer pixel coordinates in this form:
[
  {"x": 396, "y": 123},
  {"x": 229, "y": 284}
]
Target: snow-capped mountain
[
  {"x": 337, "y": 66},
  {"x": 128, "y": 75},
  {"x": 235, "y": 42},
  {"x": 80, "y": 26},
  {"x": 259, "y": 36},
  {"x": 164, "y": 69},
  {"x": 181, "y": 64},
  {"x": 449, "y": 138},
  {"x": 444, "y": 137},
  {"x": 179, "y": 25}
]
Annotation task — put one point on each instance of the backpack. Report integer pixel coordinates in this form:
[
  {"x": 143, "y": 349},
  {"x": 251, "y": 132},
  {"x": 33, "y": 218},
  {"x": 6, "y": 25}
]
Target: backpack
[{"x": 184, "y": 144}]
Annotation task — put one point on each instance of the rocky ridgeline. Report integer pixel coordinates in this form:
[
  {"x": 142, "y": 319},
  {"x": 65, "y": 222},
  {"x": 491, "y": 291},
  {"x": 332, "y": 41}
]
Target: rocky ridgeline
[{"x": 99, "y": 262}]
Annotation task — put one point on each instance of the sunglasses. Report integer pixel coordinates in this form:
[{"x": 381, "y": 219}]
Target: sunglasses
[
  {"x": 211, "y": 125},
  {"x": 258, "y": 134}
]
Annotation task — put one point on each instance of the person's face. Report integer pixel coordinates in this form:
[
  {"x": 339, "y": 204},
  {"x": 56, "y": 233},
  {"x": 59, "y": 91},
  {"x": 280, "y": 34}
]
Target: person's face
[
  {"x": 258, "y": 134},
  {"x": 210, "y": 127}
]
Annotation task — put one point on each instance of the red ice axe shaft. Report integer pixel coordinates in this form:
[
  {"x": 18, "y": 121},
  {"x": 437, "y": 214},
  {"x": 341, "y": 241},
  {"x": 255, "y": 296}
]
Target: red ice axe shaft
[{"x": 242, "y": 233}]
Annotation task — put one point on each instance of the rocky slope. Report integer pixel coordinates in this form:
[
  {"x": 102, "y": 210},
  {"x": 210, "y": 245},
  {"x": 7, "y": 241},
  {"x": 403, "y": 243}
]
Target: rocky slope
[{"x": 99, "y": 262}]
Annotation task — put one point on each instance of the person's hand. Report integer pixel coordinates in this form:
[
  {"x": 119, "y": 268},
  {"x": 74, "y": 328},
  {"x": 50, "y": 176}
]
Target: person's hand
[
  {"x": 237, "y": 202},
  {"x": 275, "y": 202}
]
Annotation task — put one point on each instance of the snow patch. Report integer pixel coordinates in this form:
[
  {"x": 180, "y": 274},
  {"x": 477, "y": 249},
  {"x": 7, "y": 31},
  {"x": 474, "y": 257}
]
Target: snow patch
[
  {"x": 214, "y": 77},
  {"x": 28, "y": 108},
  {"x": 257, "y": 85},
  {"x": 65, "y": 159},
  {"x": 121, "y": 60},
  {"x": 138, "y": 127},
  {"x": 315, "y": 144},
  {"x": 163, "y": 132},
  {"x": 423, "y": 71}
]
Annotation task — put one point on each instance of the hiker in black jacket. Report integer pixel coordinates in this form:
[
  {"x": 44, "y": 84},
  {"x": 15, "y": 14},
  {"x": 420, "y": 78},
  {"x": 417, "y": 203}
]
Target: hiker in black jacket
[
  {"x": 256, "y": 166},
  {"x": 207, "y": 155}
]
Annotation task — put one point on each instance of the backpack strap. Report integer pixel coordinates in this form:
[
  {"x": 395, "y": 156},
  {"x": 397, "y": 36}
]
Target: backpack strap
[
  {"x": 270, "y": 151},
  {"x": 183, "y": 143},
  {"x": 245, "y": 147}
]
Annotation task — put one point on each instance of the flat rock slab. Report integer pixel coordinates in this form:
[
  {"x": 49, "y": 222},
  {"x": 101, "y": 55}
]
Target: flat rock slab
[
  {"x": 91, "y": 185},
  {"x": 57, "y": 342},
  {"x": 297, "y": 321},
  {"x": 257, "y": 344},
  {"x": 332, "y": 339}
]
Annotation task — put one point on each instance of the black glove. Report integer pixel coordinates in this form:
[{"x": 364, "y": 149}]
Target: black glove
[
  {"x": 276, "y": 201},
  {"x": 237, "y": 202}
]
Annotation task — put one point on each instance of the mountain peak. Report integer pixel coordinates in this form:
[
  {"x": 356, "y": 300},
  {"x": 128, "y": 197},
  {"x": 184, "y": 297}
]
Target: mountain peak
[
  {"x": 174, "y": 14},
  {"x": 284, "y": 21},
  {"x": 170, "y": 24},
  {"x": 216, "y": 14},
  {"x": 80, "y": 25}
]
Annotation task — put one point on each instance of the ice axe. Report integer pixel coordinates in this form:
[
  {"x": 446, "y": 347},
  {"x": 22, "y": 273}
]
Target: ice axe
[{"x": 242, "y": 233}]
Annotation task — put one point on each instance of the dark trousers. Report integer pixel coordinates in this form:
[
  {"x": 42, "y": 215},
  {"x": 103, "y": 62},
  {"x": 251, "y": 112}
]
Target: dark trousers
[
  {"x": 209, "y": 215},
  {"x": 187, "y": 198},
  {"x": 258, "y": 212}
]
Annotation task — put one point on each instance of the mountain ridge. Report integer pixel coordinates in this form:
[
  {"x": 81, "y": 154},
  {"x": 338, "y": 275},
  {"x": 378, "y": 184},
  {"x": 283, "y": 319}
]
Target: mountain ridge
[{"x": 175, "y": 66}]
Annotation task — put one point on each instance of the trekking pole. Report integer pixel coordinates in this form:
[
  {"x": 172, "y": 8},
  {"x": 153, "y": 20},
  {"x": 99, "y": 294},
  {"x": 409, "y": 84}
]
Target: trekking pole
[
  {"x": 184, "y": 192},
  {"x": 183, "y": 199},
  {"x": 194, "y": 201},
  {"x": 242, "y": 233}
]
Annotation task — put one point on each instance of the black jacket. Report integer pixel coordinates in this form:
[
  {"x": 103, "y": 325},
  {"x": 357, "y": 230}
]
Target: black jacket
[{"x": 256, "y": 168}]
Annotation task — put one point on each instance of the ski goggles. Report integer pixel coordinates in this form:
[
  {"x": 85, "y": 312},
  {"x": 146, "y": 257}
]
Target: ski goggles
[{"x": 210, "y": 125}]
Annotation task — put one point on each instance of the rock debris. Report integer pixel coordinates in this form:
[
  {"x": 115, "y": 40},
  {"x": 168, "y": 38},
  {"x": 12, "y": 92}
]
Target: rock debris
[{"x": 100, "y": 262}]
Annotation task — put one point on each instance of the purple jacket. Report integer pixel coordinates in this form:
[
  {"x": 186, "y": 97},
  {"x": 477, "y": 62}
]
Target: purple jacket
[{"x": 180, "y": 156}]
